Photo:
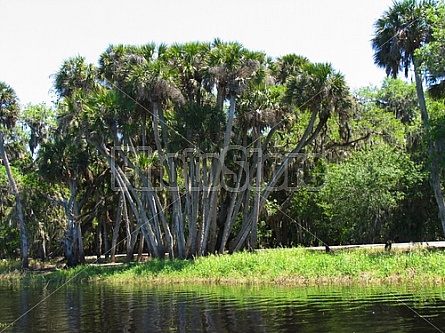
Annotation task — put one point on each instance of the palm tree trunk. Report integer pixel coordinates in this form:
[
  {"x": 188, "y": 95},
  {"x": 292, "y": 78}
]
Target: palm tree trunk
[
  {"x": 18, "y": 202},
  {"x": 194, "y": 205},
  {"x": 130, "y": 236},
  {"x": 177, "y": 216},
  {"x": 212, "y": 225},
  {"x": 116, "y": 228},
  {"x": 206, "y": 176},
  {"x": 435, "y": 178},
  {"x": 421, "y": 96},
  {"x": 248, "y": 220},
  {"x": 279, "y": 172},
  {"x": 257, "y": 189},
  {"x": 234, "y": 206},
  {"x": 154, "y": 244},
  {"x": 140, "y": 247}
]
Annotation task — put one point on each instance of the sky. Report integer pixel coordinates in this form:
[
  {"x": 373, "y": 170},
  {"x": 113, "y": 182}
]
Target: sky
[{"x": 37, "y": 36}]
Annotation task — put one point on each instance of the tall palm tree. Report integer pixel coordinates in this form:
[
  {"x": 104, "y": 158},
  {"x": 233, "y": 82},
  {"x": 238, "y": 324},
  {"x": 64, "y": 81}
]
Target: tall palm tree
[
  {"x": 66, "y": 157},
  {"x": 399, "y": 32},
  {"x": 153, "y": 83},
  {"x": 319, "y": 90},
  {"x": 61, "y": 161},
  {"x": 231, "y": 67},
  {"x": 288, "y": 65},
  {"x": 74, "y": 74},
  {"x": 41, "y": 121},
  {"x": 259, "y": 112},
  {"x": 9, "y": 109},
  {"x": 432, "y": 55},
  {"x": 189, "y": 59}
]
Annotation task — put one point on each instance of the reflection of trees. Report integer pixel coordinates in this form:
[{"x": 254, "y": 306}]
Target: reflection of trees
[
  {"x": 177, "y": 309},
  {"x": 73, "y": 308}
]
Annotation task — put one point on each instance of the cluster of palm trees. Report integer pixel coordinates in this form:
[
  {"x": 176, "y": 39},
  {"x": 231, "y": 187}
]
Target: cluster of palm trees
[
  {"x": 156, "y": 114},
  {"x": 173, "y": 144}
]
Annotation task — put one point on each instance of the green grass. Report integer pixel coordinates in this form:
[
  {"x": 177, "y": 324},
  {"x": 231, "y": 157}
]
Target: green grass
[
  {"x": 296, "y": 266},
  {"x": 10, "y": 270}
]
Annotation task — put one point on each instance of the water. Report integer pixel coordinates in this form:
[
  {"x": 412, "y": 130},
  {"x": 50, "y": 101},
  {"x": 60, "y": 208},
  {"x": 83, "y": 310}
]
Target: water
[{"x": 98, "y": 308}]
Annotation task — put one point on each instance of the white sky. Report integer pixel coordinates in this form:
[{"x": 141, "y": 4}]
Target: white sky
[{"x": 37, "y": 35}]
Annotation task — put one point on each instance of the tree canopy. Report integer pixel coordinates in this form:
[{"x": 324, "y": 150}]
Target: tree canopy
[{"x": 189, "y": 149}]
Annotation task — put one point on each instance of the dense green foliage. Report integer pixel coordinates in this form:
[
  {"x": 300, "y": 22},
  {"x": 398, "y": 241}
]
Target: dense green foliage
[{"x": 200, "y": 148}]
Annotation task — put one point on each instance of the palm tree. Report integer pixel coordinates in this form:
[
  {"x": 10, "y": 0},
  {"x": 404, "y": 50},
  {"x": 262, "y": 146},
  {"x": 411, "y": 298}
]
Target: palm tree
[
  {"x": 432, "y": 54},
  {"x": 9, "y": 109},
  {"x": 138, "y": 74},
  {"x": 41, "y": 121},
  {"x": 231, "y": 67},
  {"x": 74, "y": 74},
  {"x": 117, "y": 67},
  {"x": 189, "y": 60},
  {"x": 65, "y": 158},
  {"x": 399, "y": 32},
  {"x": 153, "y": 83},
  {"x": 319, "y": 90},
  {"x": 259, "y": 112},
  {"x": 287, "y": 66}
]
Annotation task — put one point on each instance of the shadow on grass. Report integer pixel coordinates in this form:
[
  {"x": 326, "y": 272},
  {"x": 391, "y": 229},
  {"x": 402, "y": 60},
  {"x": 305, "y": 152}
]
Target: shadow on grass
[
  {"x": 157, "y": 266},
  {"x": 405, "y": 252},
  {"x": 93, "y": 272}
]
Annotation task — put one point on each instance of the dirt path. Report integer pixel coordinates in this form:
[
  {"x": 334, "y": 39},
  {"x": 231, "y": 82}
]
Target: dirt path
[{"x": 400, "y": 246}]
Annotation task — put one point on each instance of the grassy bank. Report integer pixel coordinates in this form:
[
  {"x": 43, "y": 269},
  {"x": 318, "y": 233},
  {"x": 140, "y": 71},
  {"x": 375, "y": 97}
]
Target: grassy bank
[{"x": 295, "y": 266}]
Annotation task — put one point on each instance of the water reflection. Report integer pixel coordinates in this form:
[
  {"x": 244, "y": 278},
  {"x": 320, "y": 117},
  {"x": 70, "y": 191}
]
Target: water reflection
[{"x": 99, "y": 308}]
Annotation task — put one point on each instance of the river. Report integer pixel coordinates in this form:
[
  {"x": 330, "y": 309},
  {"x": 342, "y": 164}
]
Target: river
[{"x": 98, "y": 308}]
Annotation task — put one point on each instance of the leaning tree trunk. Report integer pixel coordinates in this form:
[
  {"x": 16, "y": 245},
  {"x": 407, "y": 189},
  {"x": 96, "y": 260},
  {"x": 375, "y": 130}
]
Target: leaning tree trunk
[
  {"x": 435, "y": 178},
  {"x": 305, "y": 139},
  {"x": 257, "y": 189},
  {"x": 117, "y": 224},
  {"x": 177, "y": 216},
  {"x": 73, "y": 240},
  {"x": 209, "y": 239},
  {"x": 23, "y": 238}
]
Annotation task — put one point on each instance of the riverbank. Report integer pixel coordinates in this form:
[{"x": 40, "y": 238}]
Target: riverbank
[{"x": 294, "y": 266}]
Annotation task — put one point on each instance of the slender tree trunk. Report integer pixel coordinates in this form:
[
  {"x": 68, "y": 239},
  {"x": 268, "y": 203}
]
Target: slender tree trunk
[
  {"x": 191, "y": 202},
  {"x": 435, "y": 177},
  {"x": 155, "y": 246},
  {"x": 140, "y": 247},
  {"x": 116, "y": 228},
  {"x": 195, "y": 195},
  {"x": 234, "y": 206},
  {"x": 130, "y": 236},
  {"x": 284, "y": 165},
  {"x": 421, "y": 96},
  {"x": 257, "y": 189},
  {"x": 178, "y": 218},
  {"x": 18, "y": 202},
  {"x": 43, "y": 237},
  {"x": 207, "y": 174},
  {"x": 216, "y": 181},
  {"x": 305, "y": 139},
  {"x": 99, "y": 238}
]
